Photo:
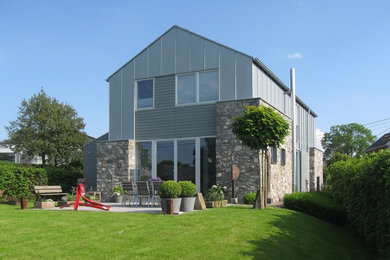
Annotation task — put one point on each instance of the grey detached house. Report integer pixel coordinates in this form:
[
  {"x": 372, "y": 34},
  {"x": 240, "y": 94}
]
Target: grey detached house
[{"x": 170, "y": 108}]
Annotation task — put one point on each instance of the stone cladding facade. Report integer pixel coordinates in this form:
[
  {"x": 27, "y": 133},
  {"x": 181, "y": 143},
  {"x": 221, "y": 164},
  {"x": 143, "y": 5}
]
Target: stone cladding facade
[
  {"x": 115, "y": 163},
  {"x": 229, "y": 151},
  {"x": 316, "y": 168}
]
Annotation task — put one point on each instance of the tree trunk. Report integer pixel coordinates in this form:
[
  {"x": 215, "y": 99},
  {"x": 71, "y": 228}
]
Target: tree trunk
[
  {"x": 261, "y": 200},
  {"x": 43, "y": 157}
]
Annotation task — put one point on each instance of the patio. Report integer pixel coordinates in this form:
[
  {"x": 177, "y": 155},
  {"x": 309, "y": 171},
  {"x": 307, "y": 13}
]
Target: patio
[{"x": 117, "y": 207}]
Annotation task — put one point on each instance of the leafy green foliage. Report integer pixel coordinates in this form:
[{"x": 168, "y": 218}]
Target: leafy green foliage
[
  {"x": 362, "y": 185},
  {"x": 260, "y": 127},
  {"x": 318, "y": 204},
  {"x": 65, "y": 177},
  {"x": 47, "y": 128},
  {"x": 19, "y": 181},
  {"x": 350, "y": 139},
  {"x": 170, "y": 189},
  {"x": 188, "y": 189},
  {"x": 216, "y": 193},
  {"x": 250, "y": 198}
]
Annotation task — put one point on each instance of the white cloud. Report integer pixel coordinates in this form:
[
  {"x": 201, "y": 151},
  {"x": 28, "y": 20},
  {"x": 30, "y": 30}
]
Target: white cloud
[
  {"x": 296, "y": 55},
  {"x": 318, "y": 138}
]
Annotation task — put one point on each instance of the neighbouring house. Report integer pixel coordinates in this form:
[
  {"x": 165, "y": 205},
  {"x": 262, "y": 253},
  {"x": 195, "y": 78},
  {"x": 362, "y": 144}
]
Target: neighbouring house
[
  {"x": 170, "y": 108},
  {"x": 380, "y": 144},
  {"x": 8, "y": 154}
]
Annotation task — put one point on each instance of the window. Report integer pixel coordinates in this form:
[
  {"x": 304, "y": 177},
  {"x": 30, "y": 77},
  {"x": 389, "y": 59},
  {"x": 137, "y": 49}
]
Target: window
[
  {"x": 197, "y": 87},
  {"x": 186, "y": 89},
  {"x": 165, "y": 160},
  {"x": 144, "y": 93},
  {"x": 144, "y": 160},
  {"x": 186, "y": 160},
  {"x": 283, "y": 159},
  {"x": 274, "y": 157}
]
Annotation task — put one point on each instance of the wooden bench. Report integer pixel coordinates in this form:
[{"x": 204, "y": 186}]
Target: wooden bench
[{"x": 46, "y": 191}]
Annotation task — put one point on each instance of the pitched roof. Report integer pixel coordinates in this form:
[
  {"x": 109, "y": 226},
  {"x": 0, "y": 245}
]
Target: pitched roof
[{"x": 380, "y": 143}]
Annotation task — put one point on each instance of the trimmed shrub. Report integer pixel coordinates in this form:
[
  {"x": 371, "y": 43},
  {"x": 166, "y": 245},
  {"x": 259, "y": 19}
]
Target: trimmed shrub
[
  {"x": 66, "y": 178},
  {"x": 170, "y": 189},
  {"x": 318, "y": 204},
  {"x": 363, "y": 187},
  {"x": 188, "y": 189},
  {"x": 250, "y": 198}
]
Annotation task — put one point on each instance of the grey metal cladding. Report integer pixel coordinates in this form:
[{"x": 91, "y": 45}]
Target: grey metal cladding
[
  {"x": 154, "y": 59},
  {"x": 243, "y": 76},
  {"x": 168, "y": 52},
  {"x": 141, "y": 65},
  {"x": 167, "y": 121},
  {"x": 115, "y": 106},
  {"x": 182, "y": 51},
  {"x": 197, "y": 54},
  {"x": 227, "y": 74},
  {"x": 128, "y": 101},
  {"x": 211, "y": 55}
]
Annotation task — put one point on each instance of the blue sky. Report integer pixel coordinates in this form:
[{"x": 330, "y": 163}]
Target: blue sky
[{"x": 340, "y": 50}]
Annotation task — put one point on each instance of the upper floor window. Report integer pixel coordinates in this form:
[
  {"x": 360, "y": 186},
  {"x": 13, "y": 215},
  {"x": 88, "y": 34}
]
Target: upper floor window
[
  {"x": 145, "y": 93},
  {"x": 197, "y": 87}
]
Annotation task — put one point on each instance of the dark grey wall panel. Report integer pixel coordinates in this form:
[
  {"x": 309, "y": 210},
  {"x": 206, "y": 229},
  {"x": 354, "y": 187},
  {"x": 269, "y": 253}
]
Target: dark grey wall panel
[
  {"x": 168, "y": 53},
  {"x": 196, "y": 53},
  {"x": 227, "y": 74},
  {"x": 211, "y": 55},
  {"x": 154, "y": 59},
  {"x": 244, "y": 76},
  {"x": 141, "y": 65},
  {"x": 182, "y": 51},
  {"x": 128, "y": 101},
  {"x": 167, "y": 121},
  {"x": 115, "y": 106}
]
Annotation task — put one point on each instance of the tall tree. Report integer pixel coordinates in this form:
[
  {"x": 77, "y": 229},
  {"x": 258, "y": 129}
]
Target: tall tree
[
  {"x": 47, "y": 128},
  {"x": 350, "y": 139},
  {"x": 259, "y": 128}
]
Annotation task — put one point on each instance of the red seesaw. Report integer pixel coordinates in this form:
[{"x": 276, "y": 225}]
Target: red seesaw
[{"x": 88, "y": 203}]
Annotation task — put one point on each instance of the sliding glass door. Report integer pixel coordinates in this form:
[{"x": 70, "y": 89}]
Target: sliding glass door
[{"x": 165, "y": 160}]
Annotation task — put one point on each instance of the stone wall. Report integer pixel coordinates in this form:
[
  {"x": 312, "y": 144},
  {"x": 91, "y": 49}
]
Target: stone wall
[
  {"x": 115, "y": 163},
  {"x": 229, "y": 151},
  {"x": 316, "y": 168}
]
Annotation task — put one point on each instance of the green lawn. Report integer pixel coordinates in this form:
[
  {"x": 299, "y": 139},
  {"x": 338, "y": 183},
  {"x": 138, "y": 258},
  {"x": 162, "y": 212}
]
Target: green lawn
[{"x": 226, "y": 233}]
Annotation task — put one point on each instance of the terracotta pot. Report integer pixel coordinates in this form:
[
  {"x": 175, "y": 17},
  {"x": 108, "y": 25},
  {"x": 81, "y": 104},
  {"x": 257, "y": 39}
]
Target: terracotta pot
[{"x": 23, "y": 203}]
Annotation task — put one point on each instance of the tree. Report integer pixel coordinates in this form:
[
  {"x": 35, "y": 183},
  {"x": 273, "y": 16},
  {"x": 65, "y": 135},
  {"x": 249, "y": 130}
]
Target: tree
[
  {"x": 259, "y": 128},
  {"x": 350, "y": 139},
  {"x": 47, "y": 128}
]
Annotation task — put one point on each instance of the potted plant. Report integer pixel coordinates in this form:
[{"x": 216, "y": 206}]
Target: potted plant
[
  {"x": 188, "y": 192},
  {"x": 117, "y": 193},
  {"x": 215, "y": 197},
  {"x": 170, "y": 190},
  {"x": 44, "y": 204}
]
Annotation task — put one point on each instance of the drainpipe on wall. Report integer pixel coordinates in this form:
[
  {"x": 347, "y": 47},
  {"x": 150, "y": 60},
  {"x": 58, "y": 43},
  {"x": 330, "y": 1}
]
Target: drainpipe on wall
[{"x": 293, "y": 128}]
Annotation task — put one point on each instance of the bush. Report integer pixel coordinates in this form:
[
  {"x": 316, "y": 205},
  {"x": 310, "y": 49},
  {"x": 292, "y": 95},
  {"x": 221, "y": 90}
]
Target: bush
[
  {"x": 250, "y": 198},
  {"x": 216, "y": 193},
  {"x": 170, "y": 189},
  {"x": 64, "y": 177},
  {"x": 363, "y": 187},
  {"x": 19, "y": 181},
  {"x": 318, "y": 204},
  {"x": 188, "y": 189}
]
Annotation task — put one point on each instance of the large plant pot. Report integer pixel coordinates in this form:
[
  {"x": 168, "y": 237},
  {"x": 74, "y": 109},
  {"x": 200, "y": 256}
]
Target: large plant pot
[
  {"x": 23, "y": 203},
  {"x": 187, "y": 204},
  {"x": 216, "y": 204},
  {"x": 44, "y": 204},
  {"x": 176, "y": 204},
  {"x": 118, "y": 199}
]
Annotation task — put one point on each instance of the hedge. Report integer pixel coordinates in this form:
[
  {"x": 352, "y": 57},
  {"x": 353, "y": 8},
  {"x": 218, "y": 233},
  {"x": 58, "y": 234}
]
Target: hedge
[
  {"x": 363, "y": 187},
  {"x": 318, "y": 204},
  {"x": 62, "y": 176}
]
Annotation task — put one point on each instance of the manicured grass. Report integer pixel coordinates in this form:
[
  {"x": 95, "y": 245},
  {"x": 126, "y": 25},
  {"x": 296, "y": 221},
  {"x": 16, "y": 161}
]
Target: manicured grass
[{"x": 226, "y": 233}]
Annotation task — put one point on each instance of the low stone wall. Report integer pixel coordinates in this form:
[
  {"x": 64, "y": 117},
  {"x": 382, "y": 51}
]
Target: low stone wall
[
  {"x": 229, "y": 151},
  {"x": 316, "y": 168},
  {"x": 115, "y": 163}
]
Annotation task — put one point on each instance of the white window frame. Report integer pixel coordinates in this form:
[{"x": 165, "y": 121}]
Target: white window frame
[
  {"x": 197, "y": 88},
  {"x": 136, "y": 94}
]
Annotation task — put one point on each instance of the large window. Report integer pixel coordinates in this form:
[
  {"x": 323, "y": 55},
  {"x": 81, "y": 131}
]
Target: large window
[
  {"x": 144, "y": 94},
  {"x": 186, "y": 160},
  {"x": 144, "y": 160},
  {"x": 197, "y": 88},
  {"x": 165, "y": 160},
  {"x": 207, "y": 164}
]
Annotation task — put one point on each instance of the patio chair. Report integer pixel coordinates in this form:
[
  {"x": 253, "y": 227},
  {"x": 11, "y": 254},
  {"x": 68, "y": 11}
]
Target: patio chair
[
  {"x": 129, "y": 193},
  {"x": 143, "y": 191},
  {"x": 154, "y": 192}
]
